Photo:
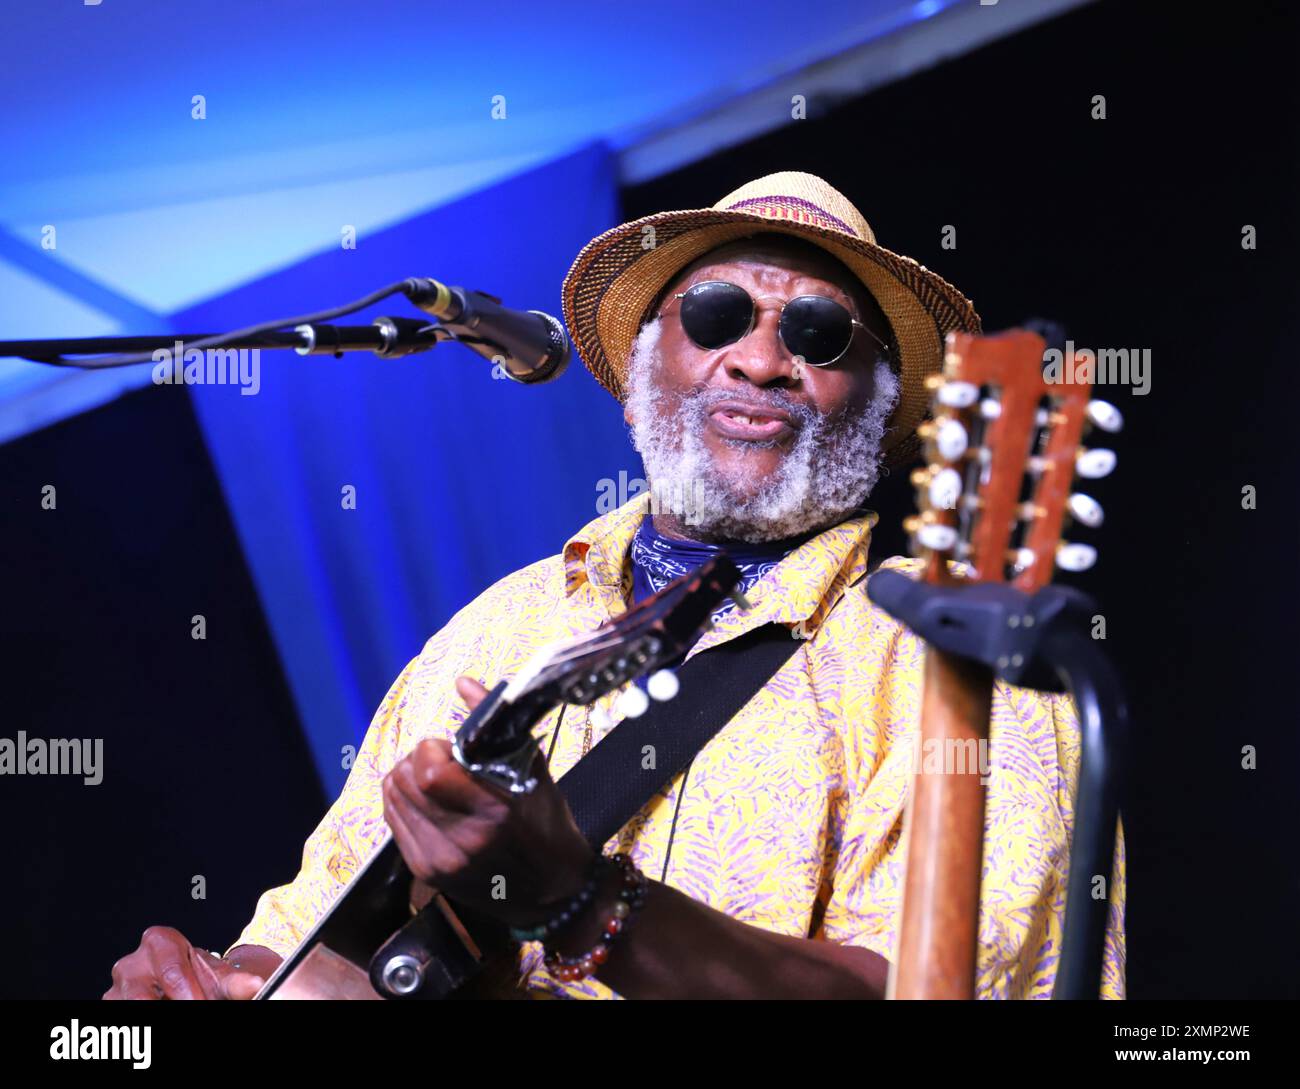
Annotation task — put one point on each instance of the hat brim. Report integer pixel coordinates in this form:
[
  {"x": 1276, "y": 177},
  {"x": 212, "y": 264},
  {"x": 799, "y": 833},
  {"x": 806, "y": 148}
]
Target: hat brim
[{"x": 618, "y": 276}]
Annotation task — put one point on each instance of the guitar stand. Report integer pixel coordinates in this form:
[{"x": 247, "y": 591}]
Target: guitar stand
[{"x": 1041, "y": 641}]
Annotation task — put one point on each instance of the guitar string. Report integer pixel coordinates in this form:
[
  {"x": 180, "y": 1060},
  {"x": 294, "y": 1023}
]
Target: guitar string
[
  {"x": 555, "y": 735},
  {"x": 672, "y": 831},
  {"x": 571, "y": 651}
]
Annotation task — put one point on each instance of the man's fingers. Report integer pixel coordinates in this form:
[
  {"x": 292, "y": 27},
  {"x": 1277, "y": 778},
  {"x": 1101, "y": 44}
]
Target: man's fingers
[
  {"x": 241, "y": 986},
  {"x": 221, "y": 981},
  {"x": 425, "y": 797},
  {"x": 132, "y": 989},
  {"x": 172, "y": 970},
  {"x": 433, "y": 771},
  {"x": 138, "y": 991},
  {"x": 428, "y": 853},
  {"x": 470, "y": 691}
]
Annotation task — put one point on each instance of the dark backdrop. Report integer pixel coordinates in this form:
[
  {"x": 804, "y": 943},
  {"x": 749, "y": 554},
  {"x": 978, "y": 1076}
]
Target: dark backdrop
[
  {"x": 206, "y": 770},
  {"x": 1128, "y": 230}
]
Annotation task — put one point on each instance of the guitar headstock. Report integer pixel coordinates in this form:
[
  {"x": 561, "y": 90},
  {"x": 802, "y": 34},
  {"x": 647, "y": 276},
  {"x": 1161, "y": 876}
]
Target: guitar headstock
[
  {"x": 647, "y": 636},
  {"x": 495, "y": 741},
  {"x": 1002, "y": 452}
]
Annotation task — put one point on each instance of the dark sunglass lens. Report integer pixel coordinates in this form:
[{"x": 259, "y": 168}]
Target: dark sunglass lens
[
  {"x": 817, "y": 328},
  {"x": 714, "y": 314}
]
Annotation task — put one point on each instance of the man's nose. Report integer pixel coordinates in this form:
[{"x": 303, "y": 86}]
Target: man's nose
[{"x": 760, "y": 358}]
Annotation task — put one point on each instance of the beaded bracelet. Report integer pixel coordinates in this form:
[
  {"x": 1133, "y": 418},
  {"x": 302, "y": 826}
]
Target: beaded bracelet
[
  {"x": 568, "y": 912},
  {"x": 631, "y": 896}
]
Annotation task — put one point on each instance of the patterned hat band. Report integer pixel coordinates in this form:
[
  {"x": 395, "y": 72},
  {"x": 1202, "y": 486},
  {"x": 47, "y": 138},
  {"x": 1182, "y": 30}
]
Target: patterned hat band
[{"x": 791, "y": 208}]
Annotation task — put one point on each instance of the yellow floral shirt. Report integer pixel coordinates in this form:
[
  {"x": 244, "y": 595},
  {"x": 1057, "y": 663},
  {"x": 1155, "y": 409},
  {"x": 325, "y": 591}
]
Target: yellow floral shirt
[{"x": 790, "y": 818}]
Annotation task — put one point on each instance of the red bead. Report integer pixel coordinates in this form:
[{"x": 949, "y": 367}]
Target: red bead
[
  {"x": 599, "y": 953},
  {"x": 614, "y": 926}
]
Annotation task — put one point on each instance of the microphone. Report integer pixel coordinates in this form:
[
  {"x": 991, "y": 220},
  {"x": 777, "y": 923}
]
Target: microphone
[{"x": 530, "y": 346}]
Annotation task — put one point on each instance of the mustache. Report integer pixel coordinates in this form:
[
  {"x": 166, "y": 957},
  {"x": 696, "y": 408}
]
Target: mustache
[{"x": 698, "y": 402}]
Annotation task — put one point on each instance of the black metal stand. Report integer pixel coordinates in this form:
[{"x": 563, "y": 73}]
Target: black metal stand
[
  {"x": 386, "y": 337},
  {"x": 1042, "y": 641}
]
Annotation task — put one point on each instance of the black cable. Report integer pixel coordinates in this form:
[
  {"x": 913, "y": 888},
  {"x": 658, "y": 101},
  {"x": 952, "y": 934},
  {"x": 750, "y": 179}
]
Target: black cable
[
  {"x": 555, "y": 734},
  {"x": 672, "y": 831},
  {"x": 130, "y": 359}
]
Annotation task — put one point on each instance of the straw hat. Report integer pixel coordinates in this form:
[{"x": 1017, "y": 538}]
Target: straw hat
[{"x": 617, "y": 277}]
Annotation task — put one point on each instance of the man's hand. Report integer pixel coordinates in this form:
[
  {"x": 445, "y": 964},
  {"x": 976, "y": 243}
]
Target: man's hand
[
  {"x": 167, "y": 966},
  {"x": 510, "y": 857}
]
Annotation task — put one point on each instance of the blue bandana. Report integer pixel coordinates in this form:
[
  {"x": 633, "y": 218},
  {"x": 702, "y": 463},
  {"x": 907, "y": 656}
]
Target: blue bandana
[{"x": 657, "y": 560}]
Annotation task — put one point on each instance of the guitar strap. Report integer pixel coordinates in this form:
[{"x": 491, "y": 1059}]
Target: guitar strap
[{"x": 608, "y": 786}]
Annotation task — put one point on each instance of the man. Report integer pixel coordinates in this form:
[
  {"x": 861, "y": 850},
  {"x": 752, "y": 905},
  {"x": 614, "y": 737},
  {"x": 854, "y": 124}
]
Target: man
[{"x": 769, "y": 356}]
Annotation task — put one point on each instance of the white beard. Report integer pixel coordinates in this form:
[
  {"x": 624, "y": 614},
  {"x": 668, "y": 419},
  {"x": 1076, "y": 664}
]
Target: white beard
[{"x": 823, "y": 478}]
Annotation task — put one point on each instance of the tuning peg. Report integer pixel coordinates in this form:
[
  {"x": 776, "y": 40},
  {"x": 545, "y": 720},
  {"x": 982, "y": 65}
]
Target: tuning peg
[
  {"x": 945, "y": 489},
  {"x": 742, "y": 602},
  {"x": 990, "y": 409},
  {"x": 936, "y": 536},
  {"x": 1105, "y": 415},
  {"x": 958, "y": 394},
  {"x": 1085, "y": 509},
  {"x": 1094, "y": 464},
  {"x": 1075, "y": 556},
  {"x": 632, "y": 702},
  {"x": 663, "y": 685},
  {"x": 1023, "y": 558},
  {"x": 950, "y": 440}
]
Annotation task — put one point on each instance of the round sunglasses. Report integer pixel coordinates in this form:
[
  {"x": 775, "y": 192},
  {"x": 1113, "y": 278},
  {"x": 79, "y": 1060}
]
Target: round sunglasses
[{"x": 815, "y": 328}]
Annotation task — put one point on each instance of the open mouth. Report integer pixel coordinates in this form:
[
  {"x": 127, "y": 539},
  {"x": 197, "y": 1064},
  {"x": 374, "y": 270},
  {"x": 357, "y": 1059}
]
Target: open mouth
[{"x": 755, "y": 425}]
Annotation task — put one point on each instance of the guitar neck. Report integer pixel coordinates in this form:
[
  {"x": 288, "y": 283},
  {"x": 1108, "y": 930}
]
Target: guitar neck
[{"x": 938, "y": 932}]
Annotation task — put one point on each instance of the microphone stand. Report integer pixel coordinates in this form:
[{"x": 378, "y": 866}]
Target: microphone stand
[
  {"x": 529, "y": 347},
  {"x": 387, "y": 337}
]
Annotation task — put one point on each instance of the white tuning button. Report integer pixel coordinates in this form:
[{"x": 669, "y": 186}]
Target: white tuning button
[
  {"x": 663, "y": 685},
  {"x": 945, "y": 489},
  {"x": 1105, "y": 415},
  {"x": 1085, "y": 509},
  {"x": 1024, "y": 558},
  {"x": 632, "y": 702},
  {"x": 1075, "y": 557},
  {"x": 958, "y": 394},
  {"x": 990, "y": 409},
  {"x": 1094, "y": 464},
  {"x": 950, "y": 440},
  {"x": 938, "y": 537}
]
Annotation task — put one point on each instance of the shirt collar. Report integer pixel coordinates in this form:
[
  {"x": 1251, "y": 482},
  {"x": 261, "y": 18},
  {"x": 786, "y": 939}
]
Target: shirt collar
[{"x": 800, "y": 590}]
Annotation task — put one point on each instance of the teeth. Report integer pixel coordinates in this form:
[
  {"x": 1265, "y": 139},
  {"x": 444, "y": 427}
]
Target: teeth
[{"x": 742, "y": 419}]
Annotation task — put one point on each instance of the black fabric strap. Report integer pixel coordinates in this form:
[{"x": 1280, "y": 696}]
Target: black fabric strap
[{"x": 607, "y": 787}]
